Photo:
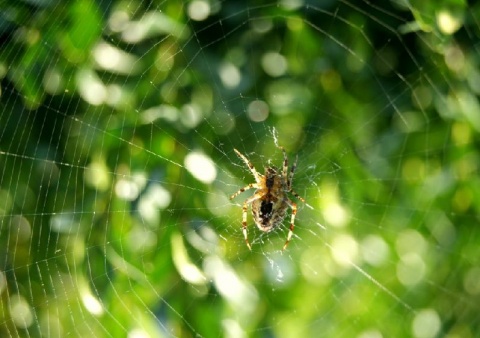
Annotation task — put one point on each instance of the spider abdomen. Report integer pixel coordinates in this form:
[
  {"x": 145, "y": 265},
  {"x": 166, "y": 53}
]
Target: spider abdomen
[{"x": 268, "y": 213}]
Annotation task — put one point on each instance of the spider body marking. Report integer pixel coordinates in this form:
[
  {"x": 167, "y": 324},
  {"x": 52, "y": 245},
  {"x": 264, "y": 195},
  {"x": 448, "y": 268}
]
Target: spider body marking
[
  {"x": 270, "y": 200},
  {"x": 269, "y": 210}
]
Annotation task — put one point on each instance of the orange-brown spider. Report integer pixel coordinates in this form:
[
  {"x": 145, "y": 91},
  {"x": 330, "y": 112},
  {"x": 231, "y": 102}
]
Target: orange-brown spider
[{"x": 270, "y": 200}]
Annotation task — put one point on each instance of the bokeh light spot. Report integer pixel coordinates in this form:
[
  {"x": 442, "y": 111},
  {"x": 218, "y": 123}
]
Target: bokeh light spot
[
  {"x": 410, "y": 269},
  {"x": 90, "y": 87},
  {"x": 20, "y": 311},
  {"x": 426, "y": 324},
  {"x": 198, "y": 10},
  {"x": 344, "y": 250},
  {"x": 230, "y": 75},
  {"x": 447, "y": 22},
  {"x": 374, "y": 250},
  {"x": 201, "y": 167},
  {"x": 274, "y": 64},
  {"x": 258, "y": 110}
]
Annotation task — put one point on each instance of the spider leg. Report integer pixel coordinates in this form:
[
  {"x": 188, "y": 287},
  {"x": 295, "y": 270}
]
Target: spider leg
[
  {"x": 289, "y": 179},
  {"x": 250, "y": 186},
  {"x": 292, "y": 171},
  {"x": 285, "y": 163},
  {"x": 292, "y": 223},
  {"x": 244, "y": 217},
  {"x": 296, "y": 195},
  {"x": 288, "y": 176},
  {"x": 249, "y": 165}
]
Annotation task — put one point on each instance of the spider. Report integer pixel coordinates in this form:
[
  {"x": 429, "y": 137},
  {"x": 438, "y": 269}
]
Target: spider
[{"x": 270, "y": 201}]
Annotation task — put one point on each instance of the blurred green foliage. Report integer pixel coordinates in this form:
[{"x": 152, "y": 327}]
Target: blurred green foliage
[{"x": 106, "y": 231}]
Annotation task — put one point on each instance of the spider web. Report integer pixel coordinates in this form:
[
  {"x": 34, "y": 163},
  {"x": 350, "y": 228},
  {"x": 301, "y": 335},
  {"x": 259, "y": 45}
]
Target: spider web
[{"x": 118, "y": 123}]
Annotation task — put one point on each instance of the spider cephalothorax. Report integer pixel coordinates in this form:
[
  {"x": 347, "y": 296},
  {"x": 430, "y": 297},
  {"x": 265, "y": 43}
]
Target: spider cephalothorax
[{"x": 270, "y": 201}]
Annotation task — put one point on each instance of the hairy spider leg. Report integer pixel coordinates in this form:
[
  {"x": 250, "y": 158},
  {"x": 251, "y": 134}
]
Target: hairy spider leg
[
  {"x": 245, "y": 188},
  {"x": 249, "y": 165},
  {"x": 296, "y": 195},
  {"x": 292, "y": 222},
  {"x": 244, "y": 217},
  {"x": 289, "y": 179},
  {"x": 285, "y": 166},
  {"x": 292, "y": 171}
]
